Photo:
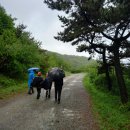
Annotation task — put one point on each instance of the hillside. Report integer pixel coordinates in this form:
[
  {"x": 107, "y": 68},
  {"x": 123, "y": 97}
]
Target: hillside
[{"x": 76, "y": 62}]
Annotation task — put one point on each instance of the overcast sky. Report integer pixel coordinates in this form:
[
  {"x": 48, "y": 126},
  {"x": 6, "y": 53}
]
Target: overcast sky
[{"x": 42, "y": 22}]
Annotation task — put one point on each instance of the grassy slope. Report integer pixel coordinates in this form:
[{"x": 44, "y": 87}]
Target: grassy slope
[
  {"x": 9, "y": 87},
  {"x": 74, "y": 61},
  {"x": 12, "y": 90},
  {"x": 112, "y": 115}
]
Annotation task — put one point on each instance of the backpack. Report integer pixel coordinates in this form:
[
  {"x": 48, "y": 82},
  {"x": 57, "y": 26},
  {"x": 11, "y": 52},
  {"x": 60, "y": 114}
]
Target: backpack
[
  {"x": 45, "y": 84},
  {"x": 37, "y": 81}
]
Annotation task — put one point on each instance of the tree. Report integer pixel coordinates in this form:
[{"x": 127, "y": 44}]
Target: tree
[
  {"x": 6, "y": 22},
  {"x": 20, "y": 30},
  {"x": 103, "y": 23}
]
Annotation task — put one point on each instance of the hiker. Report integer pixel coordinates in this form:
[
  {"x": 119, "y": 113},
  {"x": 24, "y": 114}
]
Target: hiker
[
  {"x": 30, "y": 79},
  {"x": 58, "y": 83},
  {"x": 57, "y": 75},
  {"x": 37, "y": 83},
  {"x": 48, "y": 81}
]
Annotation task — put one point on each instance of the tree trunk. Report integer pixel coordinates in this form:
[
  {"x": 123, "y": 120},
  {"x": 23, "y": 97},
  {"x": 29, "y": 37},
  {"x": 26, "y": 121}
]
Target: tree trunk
[
  {"x": 120, "y": 78},
  {"x": 109, "y": 83}
]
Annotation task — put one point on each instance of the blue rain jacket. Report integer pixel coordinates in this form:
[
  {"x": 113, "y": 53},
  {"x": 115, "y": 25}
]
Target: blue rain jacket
[{"x": 30, "y": 78}]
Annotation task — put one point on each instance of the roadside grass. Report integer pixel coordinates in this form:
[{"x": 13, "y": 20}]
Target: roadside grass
[
  {"x": 10, "y": 87},
  {"x": 12, "y": 90},
  {"x": 67, "y": 73},
  {"x": 111, "y": 114}
]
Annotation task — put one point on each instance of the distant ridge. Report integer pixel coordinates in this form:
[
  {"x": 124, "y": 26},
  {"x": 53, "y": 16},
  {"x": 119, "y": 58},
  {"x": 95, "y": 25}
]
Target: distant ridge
[{"x": 75, "y": 61}]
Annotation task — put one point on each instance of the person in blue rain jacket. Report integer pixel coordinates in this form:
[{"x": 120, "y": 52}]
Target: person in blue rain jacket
[{"x": 30, "y": 79}]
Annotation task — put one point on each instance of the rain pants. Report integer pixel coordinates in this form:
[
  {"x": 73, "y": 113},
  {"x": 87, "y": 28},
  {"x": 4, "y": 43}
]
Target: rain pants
[{"x": 30, "y": 78}]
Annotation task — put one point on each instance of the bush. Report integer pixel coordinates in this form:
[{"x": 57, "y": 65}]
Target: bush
[
  {"x": 6, "y": 81},
  {"x": 100, "y": 81}
]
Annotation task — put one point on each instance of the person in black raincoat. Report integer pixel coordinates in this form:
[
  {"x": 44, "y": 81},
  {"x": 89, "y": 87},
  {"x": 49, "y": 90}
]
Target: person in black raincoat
[
  {"x": 57, "y": 75},
  {"x": 58, "y": 83},
  {"x": 48, "y": 81},
  {"x": 37, "y": 83}
]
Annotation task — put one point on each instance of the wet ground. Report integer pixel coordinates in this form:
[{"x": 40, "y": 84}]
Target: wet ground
[{"x": 25, "y": 112}]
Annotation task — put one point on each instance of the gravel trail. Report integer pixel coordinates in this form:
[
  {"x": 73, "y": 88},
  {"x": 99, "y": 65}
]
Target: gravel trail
[{"x": 25, "y": 112}]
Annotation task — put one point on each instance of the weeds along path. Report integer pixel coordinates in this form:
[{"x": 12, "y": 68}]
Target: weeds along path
[{"x": 25, "y": 112}]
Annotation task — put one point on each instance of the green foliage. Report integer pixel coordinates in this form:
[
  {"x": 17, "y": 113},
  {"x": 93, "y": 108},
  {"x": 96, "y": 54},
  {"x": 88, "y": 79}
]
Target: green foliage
[
  {"x": 18, "y": 50},
  {"x": 111, "y": 115},
  {"x": 92, "y": 71},
  {"x": 53, "y": 60},
  {"x": 100, "y": 81},
  {"x": 6, "y": 22},
  {"x": 127, "y": 81},
  {"x": 6, "y": 81},
  {"x": 15, "y": 56},
  {"x": 126, "y": 71},
  {"x": 75, "y": 64},
  {"x": 9, "y": 86}
]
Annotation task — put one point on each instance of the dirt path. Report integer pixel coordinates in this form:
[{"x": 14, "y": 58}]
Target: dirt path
[{"x": 25, "y": 112}]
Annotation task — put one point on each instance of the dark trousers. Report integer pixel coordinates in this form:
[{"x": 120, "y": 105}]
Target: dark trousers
[
  {"x": 38, "y": 92},
  {"x": 58, "y": 90},
  {"x": 30, "y": 91},
  {"x": 48, "y": 92}
]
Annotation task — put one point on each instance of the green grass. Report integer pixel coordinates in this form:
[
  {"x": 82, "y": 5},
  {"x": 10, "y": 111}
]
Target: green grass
[
  {"x": 10, "y": 87},
  {"x": 67, "y": 73},
  {"x": 12, "y": 90},
  {"x": 112, "y": 115}
]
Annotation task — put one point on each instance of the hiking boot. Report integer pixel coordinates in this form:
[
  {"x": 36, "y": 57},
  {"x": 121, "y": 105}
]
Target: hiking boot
[
  {"x": 58, "y": 101},
  {"x": 29, "y": 93},
  {"x": 38, "y": 96},
  {"x": 55, "y": 100}
]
